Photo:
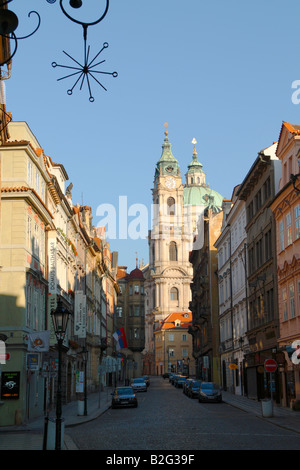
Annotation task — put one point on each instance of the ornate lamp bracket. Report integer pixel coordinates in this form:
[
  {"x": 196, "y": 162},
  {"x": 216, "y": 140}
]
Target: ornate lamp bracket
[{"x": 86, "y": 70}]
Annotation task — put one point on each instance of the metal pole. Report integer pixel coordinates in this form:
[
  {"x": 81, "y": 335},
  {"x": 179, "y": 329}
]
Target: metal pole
[
  {"x": 58, "y": 400},
  {"x": 85, "y": 385}
]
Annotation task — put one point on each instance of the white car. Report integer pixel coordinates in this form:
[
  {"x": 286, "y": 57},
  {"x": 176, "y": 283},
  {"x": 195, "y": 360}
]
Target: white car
[{"x": 139, "y": 385}]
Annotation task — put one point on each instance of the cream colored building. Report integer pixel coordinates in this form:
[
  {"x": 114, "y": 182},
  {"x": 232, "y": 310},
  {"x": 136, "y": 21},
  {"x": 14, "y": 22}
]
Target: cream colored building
[{"x": 177, "y": 207}]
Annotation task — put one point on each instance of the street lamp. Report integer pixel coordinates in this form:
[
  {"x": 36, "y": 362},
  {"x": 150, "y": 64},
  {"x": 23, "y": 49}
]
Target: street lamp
[
  {"x": 60, "y": 318},
  {"x": 188, "y": 362}
]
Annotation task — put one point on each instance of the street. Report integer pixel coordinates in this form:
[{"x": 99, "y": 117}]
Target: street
[{"x": 167, "y": 420}]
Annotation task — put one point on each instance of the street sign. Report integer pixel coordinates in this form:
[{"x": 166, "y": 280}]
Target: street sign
[
  {"x": 270, "y": 365},
  {"x": 233, "y": 366}
]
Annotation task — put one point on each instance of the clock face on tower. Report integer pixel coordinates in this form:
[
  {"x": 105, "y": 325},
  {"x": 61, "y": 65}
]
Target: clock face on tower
[{"x": 170, "y": 182}]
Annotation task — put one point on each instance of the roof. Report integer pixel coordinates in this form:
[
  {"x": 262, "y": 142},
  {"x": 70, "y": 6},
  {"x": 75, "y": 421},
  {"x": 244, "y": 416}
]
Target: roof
[
  {"x": 201, "y": 195},
  {"x": 185, "y": 319},
  {"x": 135, "y": 274}
]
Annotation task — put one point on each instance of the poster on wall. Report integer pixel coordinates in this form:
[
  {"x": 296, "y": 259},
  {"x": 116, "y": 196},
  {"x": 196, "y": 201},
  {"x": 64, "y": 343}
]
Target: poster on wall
[
  {"x": 80, "y": 314},
  {"x": 52, "y": 297},
  {"x": 10, "y": 385}
]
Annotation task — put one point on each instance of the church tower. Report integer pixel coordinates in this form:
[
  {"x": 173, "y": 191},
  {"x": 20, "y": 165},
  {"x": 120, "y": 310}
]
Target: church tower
[{"x": 170, "y": 270}]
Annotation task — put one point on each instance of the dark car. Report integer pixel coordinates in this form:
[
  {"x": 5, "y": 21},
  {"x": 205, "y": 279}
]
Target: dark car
[
  {"x": 180, "y": 381},
  {"x": 123, "y": 396},
  {"x": 139, "y": 385},
  {"x": 193, "y": 388},
  {"x": 147, "y": 380},
  {"x": 166, "y": 375},
  {"x": 174, "y": 379},
  {"x": 209, "y": 391},
  {"x": 186, "y": 384}
]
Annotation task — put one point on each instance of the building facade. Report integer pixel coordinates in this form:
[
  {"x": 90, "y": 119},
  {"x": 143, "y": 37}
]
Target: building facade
[
  {"x": 233, "y": 294},
  {"x": 286, "y": 210},
  {"x": 49, "y": 251},
  {"x": 257, "y": 191}
]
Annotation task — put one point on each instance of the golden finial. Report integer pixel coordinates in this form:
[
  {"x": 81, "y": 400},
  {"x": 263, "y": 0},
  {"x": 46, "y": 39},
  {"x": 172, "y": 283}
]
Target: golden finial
[
  {"x": 194, "y": 141},
  {"x": 166, "y": 126}
]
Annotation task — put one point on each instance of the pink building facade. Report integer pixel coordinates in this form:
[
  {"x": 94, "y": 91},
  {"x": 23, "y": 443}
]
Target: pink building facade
[{"x": 286, "y": 209}]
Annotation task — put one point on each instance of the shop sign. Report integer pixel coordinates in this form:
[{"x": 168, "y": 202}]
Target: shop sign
[
  {"x": 233, "y": 366},
  {"x": 33, "y": 361},
  {"x": 10, "y": 385}
]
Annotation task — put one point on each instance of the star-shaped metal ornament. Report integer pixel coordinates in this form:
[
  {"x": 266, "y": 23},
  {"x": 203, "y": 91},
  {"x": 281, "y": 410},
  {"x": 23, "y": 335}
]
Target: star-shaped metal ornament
[{"x": 85, "y": 71}]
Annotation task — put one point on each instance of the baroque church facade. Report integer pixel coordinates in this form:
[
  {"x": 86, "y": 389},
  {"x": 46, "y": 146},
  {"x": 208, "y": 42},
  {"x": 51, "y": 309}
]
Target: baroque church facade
[{"x": 178, "y": 210}]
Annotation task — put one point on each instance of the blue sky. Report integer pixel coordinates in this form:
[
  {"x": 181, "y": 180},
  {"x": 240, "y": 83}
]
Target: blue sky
[{"x": 221, "y": 72}]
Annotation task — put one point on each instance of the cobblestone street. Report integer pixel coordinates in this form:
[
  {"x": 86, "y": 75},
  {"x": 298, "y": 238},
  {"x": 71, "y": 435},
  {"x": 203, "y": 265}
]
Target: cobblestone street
[{"x": 168, "y": 420}]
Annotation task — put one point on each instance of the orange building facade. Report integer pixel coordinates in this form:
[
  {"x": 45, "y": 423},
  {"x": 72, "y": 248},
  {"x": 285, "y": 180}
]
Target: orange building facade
[{"x": 286, "y": 209}]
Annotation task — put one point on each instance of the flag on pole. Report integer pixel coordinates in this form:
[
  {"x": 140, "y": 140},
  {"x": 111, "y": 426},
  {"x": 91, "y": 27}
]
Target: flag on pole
[
  {"x": 39, "y": 342},
  {"x": 120, "y": 338}
]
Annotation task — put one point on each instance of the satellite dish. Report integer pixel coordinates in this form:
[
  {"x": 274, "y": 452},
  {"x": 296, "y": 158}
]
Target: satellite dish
[{"x": 296, "y": 353}]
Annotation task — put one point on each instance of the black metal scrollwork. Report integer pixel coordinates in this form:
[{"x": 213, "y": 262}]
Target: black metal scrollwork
[
  {"x": 8, "y": 24},
  {"x": 86, "y": 69}
]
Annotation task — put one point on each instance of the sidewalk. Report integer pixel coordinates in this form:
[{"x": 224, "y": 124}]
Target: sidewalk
[
  {"x": 30, "y": 436},
  {"x": 283, "y": 417}
]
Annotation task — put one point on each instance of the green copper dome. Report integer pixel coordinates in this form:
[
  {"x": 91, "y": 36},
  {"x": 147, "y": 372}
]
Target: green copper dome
[
  {"x": 196, "y": 192},
  {"x": 201, "y": 195}
]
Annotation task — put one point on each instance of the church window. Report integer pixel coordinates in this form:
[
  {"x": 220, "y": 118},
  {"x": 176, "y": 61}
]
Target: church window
[
  {"x": 173, "y": 251},
  {"x": 174, "y": 293},
  {"x": 171, "y": 206}
]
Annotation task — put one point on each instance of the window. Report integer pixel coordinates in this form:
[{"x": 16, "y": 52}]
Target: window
[
  {"x": 259, "y": 257},
  {"x": 268, "y": 245},
  {"x": 173, "y": 251},
  {"x": 288, "y": 229},
  {"x": 174, "y": 293},
  {"x": 136, "y": 289},
  {"x": 37, "y": 182},
  {"x": 284, "y": 304},
  {"x": 130, "y": 290},
  {"x": 119, "y": 311},
  {"x": 292, "y": 300},
  {"x": 297, "y": 221},
  {"x": 184, "y": 352},
  {"x": 281, "y": 235},
  {"x": 267, "y": 189},
  {"x": 184, "y": 338},
  {"x": 171, "y": 206},
  {"x": 29, "y": 233},
  {"x": 29, "y": 173},
  {"x": 171, "y": 337},
  {"x": 136, "y": 310},
  {"x": 171, "y": 353},
  {"x": 131, "y": 310}
]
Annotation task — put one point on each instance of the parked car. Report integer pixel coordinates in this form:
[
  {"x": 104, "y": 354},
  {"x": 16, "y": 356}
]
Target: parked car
[
  {"x": 174, "y": 379},
  {"x": 123, "y": 396},
  {"x": 209, "y": 391},
  {"x": 166, "y": 375},
  {"x": 180, "y": 381},
  {"x": 186, "y": 384},
  {"x": 171, "y": 376},
  {"x": 139, "y": 385},
  {"x": 193, "y": 388},
  {"x": 147, "y": 380}
]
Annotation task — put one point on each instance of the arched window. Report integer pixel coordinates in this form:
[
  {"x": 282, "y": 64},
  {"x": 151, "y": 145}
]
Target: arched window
[
  {"x": 171, "y": 206},
  {"x": 174, "y": 293},
  {"x": 173, "y": 251}
]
